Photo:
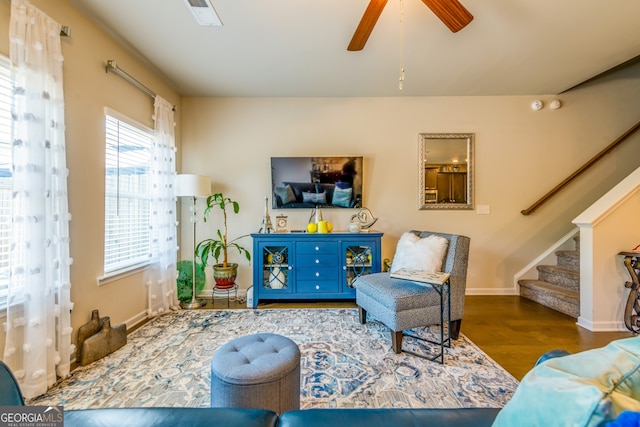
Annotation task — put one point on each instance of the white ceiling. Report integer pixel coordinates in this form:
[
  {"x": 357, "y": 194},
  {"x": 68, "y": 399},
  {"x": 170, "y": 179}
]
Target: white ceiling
[{"x": 298, "y": 47}]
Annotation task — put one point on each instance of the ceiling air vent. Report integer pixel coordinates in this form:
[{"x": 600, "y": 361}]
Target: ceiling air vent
[{"x": 204, "y": 12}]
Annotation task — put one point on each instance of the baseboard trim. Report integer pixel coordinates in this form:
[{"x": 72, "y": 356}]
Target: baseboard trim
[
  {"x": 611, "y": 326},
  {"x": 136, "y": 321}
]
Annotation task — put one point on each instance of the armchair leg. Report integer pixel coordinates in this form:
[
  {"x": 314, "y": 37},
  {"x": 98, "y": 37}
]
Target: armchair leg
[
  {"x": 362, "y": 315},
  {"x": 454, "y": 328},
  {"x": 396, "y": 341}
]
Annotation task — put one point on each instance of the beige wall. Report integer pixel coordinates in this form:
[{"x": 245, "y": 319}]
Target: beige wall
[
  {"x": 520, "y": 154},
  {"x": 608, "y": 275},
  {"x": 608, "y": 227},
  {"x": 88, "y": 89}
]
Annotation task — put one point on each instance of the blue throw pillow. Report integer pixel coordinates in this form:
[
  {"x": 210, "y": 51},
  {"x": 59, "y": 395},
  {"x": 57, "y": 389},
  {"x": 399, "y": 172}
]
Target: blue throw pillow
[
  {"x": 342, "y": 197},
  {"x": 286, "y": 194},
  {"x": 583, "y": 389},
  {"x": 626, "y": 419}
]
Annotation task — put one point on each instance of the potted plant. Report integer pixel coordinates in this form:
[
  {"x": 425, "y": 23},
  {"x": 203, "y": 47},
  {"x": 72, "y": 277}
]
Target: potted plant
[{"x": 224, "y": 273}]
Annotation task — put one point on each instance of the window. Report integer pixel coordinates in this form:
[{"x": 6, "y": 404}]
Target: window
[
  {"x": 6, "y": 99},
  {"x": 127, "y": 194}
]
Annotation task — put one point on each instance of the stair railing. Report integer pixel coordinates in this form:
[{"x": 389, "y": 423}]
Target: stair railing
[{"x": 580, "y": 170}]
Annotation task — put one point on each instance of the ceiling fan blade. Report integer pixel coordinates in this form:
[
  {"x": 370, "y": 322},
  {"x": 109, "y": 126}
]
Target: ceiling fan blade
[
  {"x": 453, "y": 14},
  {"x": 368, "y": 21}
]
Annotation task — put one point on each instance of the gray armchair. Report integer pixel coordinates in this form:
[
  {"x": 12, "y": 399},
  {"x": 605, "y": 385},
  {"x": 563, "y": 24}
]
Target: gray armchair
[{"x": 401, "y": 304}]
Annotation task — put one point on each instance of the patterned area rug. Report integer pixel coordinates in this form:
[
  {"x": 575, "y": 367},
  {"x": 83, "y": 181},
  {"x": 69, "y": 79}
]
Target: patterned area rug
[{"x": 344, "y": 364}]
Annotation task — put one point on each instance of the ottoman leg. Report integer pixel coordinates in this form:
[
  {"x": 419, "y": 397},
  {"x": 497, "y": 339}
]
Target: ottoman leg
[
  {"x": 396, "y": 341},
  {"x": 362, "y": 314}
]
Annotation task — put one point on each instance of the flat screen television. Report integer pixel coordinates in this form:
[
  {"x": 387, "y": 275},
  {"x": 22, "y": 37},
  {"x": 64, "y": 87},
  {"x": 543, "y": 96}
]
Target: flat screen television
[{"x": 308, "y": 182}]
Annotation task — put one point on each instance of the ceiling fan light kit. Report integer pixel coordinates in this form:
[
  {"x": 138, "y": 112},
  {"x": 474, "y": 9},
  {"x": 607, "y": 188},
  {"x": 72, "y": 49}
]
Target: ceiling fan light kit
[{"x": 451, "y": 12}]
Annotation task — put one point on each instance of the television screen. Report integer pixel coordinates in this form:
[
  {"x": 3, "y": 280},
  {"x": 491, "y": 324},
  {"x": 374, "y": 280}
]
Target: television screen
[{"x": 307, "y": 182}]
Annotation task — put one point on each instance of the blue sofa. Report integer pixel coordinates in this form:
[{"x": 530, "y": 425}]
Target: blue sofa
[
  {"x": 170, "y": 417},
  {"x": 465, "y": 417},
  {"x": 590, "y": 388},
  {"x": 200, "y": 417}
]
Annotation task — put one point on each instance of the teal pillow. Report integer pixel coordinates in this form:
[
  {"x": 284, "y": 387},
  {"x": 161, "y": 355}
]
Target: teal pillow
[
  {"x": 341, "y": 197},
  {"x": 582, "y": 389},
  {"x": 286, "y": 194}
]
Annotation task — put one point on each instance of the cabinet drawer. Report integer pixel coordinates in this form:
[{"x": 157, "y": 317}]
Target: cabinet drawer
[
  {"x": 317, "y": 286},
  {"x": 316, "y": 261},
  {"x": 327, "y": 248},
  {"x": 318, "y": 273}
]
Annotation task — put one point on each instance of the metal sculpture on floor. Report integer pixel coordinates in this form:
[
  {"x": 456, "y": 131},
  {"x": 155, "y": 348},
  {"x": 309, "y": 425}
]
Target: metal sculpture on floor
[{"x": 97, "y": 338}]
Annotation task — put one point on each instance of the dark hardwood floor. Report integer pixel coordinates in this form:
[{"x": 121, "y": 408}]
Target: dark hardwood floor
[{"x": 513, "y": 331}]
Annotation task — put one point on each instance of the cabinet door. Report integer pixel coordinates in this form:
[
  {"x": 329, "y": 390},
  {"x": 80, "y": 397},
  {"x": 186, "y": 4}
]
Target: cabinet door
[
  {"x": 276, "y": 272},
  {"x": 359, "y": 258},
  {"x": 452, "y": 187},
  {"x": 444, "y": 187},
  {"x": 459, "y": 187},
  {"x": 431, "y": 178}
]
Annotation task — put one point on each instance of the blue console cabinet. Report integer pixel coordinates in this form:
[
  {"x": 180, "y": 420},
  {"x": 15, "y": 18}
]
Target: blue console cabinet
[{"x": 295, "y": 266}]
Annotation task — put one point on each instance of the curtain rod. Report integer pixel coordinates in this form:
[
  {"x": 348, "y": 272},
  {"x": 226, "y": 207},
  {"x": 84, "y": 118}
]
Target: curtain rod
[{"x": 112, "y": 66}]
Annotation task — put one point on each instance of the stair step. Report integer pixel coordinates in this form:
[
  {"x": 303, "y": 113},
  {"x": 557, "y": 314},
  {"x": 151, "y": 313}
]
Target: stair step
[
  {"x": 559, "y": 298},
  {"x": 569, "y": 260},
  {"x": 559, "y": 276}
]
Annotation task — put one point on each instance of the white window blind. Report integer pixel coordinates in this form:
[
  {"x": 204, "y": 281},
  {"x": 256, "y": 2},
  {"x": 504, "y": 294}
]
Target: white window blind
[
  {"x": 127, "y": 194},
  {"x": 6, "y": 97}
]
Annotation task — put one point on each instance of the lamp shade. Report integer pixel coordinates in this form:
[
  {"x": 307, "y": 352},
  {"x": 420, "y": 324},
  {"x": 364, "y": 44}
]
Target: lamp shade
[{"x": 188, "y": 185}]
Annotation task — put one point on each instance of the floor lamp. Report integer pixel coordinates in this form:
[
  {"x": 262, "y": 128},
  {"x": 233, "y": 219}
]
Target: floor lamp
[{"x": 193, "y": 186}]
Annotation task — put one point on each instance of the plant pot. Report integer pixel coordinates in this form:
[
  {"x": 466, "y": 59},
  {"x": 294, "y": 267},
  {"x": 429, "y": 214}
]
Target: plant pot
[{"x": 225, "y": 277}]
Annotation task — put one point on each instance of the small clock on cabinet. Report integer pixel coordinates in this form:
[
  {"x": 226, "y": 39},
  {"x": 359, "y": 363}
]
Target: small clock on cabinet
[{"x": 281, "y": 224}]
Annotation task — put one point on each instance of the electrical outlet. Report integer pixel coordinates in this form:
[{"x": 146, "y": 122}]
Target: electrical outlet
[{"x": 484, "y": 210}]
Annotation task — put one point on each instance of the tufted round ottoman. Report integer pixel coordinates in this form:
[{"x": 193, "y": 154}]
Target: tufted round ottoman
[{"x": 257, "y": 371}]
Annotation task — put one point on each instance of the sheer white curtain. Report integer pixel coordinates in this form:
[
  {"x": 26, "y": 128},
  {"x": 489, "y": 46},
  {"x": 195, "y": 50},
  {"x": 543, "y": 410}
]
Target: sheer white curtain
[
  {"x": 161, "y": 276},
  {"x": 38, "y": 328}
]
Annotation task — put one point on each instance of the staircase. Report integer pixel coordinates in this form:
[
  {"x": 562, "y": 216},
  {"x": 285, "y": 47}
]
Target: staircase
[{"x": 557, "y": 286}]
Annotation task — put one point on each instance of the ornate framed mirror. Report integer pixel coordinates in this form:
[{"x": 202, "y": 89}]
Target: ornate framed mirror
[{"x": 445, "y": 170}]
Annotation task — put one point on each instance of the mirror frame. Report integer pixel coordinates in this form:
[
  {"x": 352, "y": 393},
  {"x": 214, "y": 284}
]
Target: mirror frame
[{"x": 423, "y": 142}]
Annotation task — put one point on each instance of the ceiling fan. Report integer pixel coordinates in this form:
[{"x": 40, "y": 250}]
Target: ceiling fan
[{"x": 451, "y": 13}]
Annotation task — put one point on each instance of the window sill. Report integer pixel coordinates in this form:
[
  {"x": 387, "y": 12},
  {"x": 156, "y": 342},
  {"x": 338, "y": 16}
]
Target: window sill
[
  {"x": 5, "y": 307},
  {"x": 121, "y": 274}
]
